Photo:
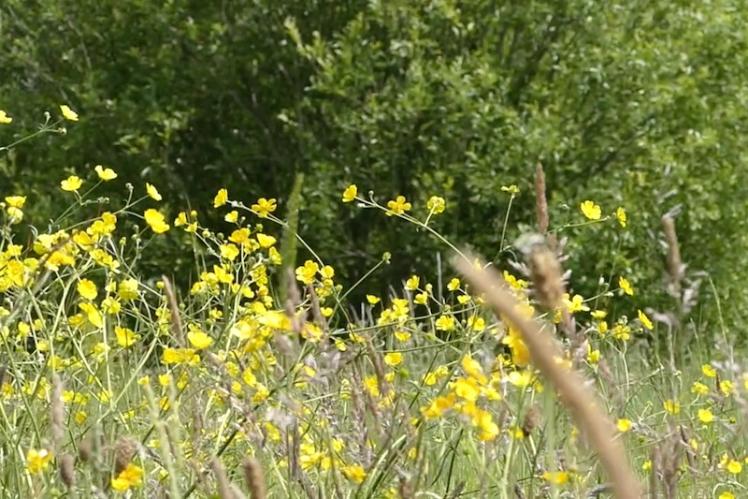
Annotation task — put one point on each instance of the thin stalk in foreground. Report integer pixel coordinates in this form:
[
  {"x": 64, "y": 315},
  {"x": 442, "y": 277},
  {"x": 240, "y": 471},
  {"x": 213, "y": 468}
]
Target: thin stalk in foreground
[{"x": 569, "y": 384}]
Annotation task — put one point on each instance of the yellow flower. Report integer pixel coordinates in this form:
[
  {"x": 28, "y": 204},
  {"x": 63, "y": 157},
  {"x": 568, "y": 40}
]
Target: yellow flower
[
  {"x": 263, "y": 207},
  {"x": 708, "y": 371},
  {"x": 221, "y": 198},
  {"x": 556, "y": 477},
  {"x": 725, "y": 387},
  {"x": 625, "y": 286},
  {"x": 621, "y": 217},
  {"x": 393, "y": 359},
  {"x": 576, "y": 304},
  {"x": 734, "y": 467},
  {"x": 4, "y": 118},
  {"x": 445, "y": 323},
  {"x": 726, "y": 495},
  {"x": 128, "y": 289},
  {"x": 229, "y": 251},
  {"x": 179, "y": 356},
  {"x": 92, "y": 313},
  {"x": 620, "y": 331},
  {"x": 14, "y": 205},
  {"x": 71, "y": 184},
  {"x": 307, "y": 272},
  {"x": 155, "y": 221},
  {"x": 398, "y": 206},
  {"x": 485, "y": 423},
  {"x": 131, "y": 476},
  {"x": 373, "y": 300},
  {"x": 645, "y": 320},
  {"x": 593, "y": 356},
  {"x": 198, "y": 339},
  {"x": 671, "y": 406},
  {"x": 591, "y": 210},
  {"x": 599, "y": 314},
  {"x": 15, "y": 201},
  {"x": 705, "y": 416},
  {"x": 68, "y": 113},
  {"x": 87, "y": 289},
  {"x": 436, "y": 205},
  {"x": 37, "y": 460},
  {"x": 624, "y": 425},
  {"x": 265, "y": 240},
  {"x": 350, "y": 193},
  {"x": 511, "y": 189},
  {"x": 105, "y": 174},
  {"x": 412, "y": 283},
  {"x": 152, "y": 192},
  {"x": 354, "y": 472},
  {"x": 520, "y": 379},
  {"x": 699, "y": 388},
  {"x": 232, "y": 216},
  {"x": 125, "y": 337}
]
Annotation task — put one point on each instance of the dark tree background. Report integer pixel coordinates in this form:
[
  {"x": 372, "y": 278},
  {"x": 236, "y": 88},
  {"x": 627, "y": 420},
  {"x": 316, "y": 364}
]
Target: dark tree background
[{"x": 640, "y": 104}]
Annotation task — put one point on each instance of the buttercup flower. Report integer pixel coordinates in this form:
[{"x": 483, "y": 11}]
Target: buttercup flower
[
  {"x": 350, "y": 193},
  {"x": 68, "y": 113},
  {"x": 130, "y": 477},
  {"x": 621, "y": 217},
  {"x": 591, "y": 210},
  {"x": 221, "y": 198},
  {"x": 105, "y": 174},
  {"x": 645, "y": 320},
  {"x": 152, "y": 192},
  {"x": 398, "y": 206},
  {"x": 155, "y": 221},
  {"x": 71, "y": 184},
  {"x": 436, "y": 205},
  {"x": 625, "y": 286},
  {"x": 263, "y": 207},
  {"x": 38, "y": 460}
]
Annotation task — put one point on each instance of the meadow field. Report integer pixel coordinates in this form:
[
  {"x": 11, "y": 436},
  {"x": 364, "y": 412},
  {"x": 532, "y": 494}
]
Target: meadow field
[
  {"x": 266, "y": 377},
  {"x": 321, "y": 249}
]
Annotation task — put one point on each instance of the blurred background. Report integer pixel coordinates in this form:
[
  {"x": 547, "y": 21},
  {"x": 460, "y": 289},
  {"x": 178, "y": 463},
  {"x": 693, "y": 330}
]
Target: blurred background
[{"x": 640, "y": 104}]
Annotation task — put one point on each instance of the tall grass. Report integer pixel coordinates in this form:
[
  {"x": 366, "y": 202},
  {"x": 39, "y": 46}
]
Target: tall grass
[{"x": 253, "y": 383}]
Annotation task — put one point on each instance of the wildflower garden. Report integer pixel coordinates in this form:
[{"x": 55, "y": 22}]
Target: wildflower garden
[{"x": 332, "y": 337}]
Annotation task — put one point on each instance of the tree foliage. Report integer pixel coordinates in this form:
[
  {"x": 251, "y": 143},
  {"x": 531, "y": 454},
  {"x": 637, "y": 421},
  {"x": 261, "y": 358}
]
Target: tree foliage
[{"x": 637, "y": 104}]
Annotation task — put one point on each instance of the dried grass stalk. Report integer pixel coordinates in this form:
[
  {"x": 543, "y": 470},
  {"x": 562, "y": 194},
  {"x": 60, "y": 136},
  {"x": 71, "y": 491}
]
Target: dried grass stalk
[
  {"x": 124, "y": 452},
  {"x": 86, "y": 449},
  {"x": 674, "y": 263},
  {"x": 547, "y": 277},
  {"x": 541, "y": 203},
  {"x": 293, "y": 300},
  {"x": 176, "y": 320},
  {"x": 67, "y": 470},
  {"x": 222, "y": 481},
  {"x": 569, "y": 384},
  {"x": 255, "y": 478},
  {"x": 57, "y": 414}
]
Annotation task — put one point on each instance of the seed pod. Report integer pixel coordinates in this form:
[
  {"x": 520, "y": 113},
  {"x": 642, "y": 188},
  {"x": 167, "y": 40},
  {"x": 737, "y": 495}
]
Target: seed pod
[
  {"x": 67, "y": 470},
  {"x": 124, "y": 451},
  {"x": 255, "y": 478},
  {"x": 532, "y": 420}
]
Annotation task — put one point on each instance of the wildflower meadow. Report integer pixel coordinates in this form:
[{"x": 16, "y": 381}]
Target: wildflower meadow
[{"x": 267, "y": 377}]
